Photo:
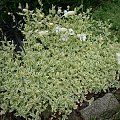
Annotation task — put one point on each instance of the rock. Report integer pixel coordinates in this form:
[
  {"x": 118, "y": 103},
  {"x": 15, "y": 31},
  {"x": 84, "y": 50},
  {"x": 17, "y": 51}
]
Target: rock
[{"x": 100, "y": 106}]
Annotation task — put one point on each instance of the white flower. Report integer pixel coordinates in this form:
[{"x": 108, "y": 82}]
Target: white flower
[
  {"x": 118, "y": 57},
  {"x": 43, "y": 33},
  {"x": 82, "y": 36},
  {"x": 57, "y": 29},
  {"x": 9, "y": 13},
  {"x": 69, "y": 13},
  {"x": 65, "y": 11},
  {"x": 25, "y": 10},
  {"x": 60, "y": 29},
  {"x": 64, "y": 37},
  {"x": 71, "y": 32}
]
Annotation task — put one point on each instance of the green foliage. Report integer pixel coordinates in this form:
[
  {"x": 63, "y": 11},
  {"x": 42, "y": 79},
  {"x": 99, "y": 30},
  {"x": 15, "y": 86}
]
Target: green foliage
[
  {"x": 73, "y": 3},
  {"x": 110, "y": 11},
  {"x": 59, "y": 68}
]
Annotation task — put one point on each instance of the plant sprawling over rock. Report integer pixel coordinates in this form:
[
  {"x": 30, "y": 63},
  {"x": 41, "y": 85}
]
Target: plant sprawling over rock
[{"x": 67, "y": 55}]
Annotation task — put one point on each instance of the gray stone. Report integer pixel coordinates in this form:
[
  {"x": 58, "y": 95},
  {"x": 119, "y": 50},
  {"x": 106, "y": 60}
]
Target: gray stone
[{"x": 100, "y": 106}]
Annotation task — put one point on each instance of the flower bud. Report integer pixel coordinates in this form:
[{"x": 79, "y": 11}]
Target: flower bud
[{"x": 69, "y": 13}]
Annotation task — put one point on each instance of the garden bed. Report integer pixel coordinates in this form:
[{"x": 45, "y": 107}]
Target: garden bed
[{"x": 69, "y": 59}]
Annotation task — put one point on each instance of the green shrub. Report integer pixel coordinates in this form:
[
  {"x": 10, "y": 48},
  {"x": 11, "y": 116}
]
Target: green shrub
[
  {"x": 61, "y": 64},
  {"x": 110, "y": 11}
]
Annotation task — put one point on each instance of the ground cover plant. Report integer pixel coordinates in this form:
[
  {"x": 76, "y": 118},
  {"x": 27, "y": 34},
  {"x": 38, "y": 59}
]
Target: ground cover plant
[{"x": 67, "y": 54}]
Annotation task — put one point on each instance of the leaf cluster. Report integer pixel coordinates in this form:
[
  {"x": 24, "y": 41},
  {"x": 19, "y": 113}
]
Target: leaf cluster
[{"x": 54, "y": 73}]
